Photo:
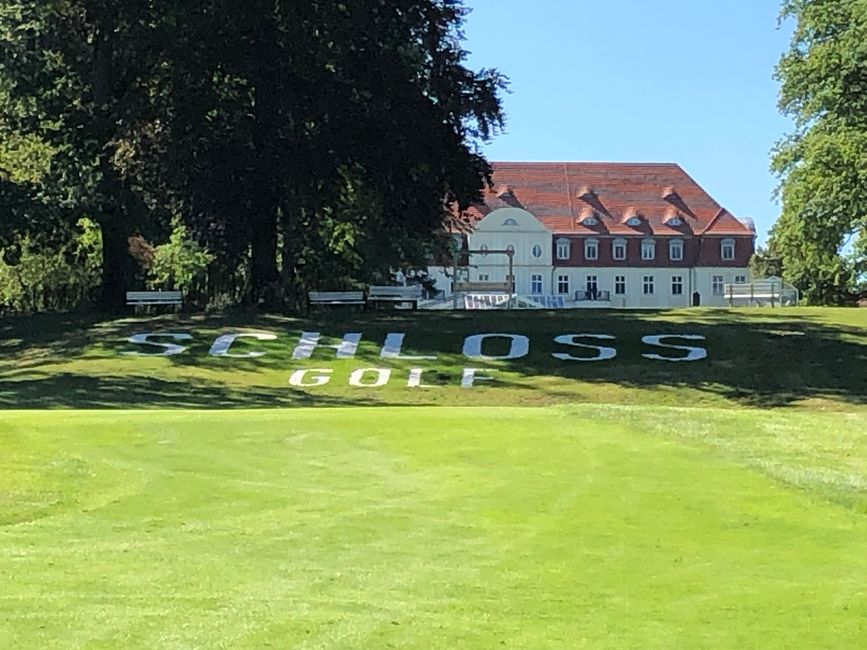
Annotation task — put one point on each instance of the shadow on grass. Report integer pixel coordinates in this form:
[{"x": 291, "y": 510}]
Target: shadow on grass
[{"x": 756, "y": 358}]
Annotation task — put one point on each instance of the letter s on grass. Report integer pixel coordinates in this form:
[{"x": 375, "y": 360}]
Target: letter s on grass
[
  {"x": 603, "y": 352},
  {"x": 168, "y": 348},
  {"x": 693, "y": 353}
]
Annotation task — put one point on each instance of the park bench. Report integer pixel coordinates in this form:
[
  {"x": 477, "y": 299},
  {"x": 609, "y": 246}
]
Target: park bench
[
  {"x": 332, "y": 298},
  {"x": 395, "y": 295},
  {"x": 137, "y": 299}
]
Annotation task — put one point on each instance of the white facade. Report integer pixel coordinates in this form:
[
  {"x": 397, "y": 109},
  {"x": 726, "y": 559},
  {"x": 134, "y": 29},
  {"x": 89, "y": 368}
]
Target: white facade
[{"x": 537, "y": 273}]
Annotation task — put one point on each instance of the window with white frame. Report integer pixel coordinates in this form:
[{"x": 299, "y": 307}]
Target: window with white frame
[
  {"x": 620, "y": 284},
  {"x": 675, "y": 250},
  {"x": 535, "y": 283},
  {"x": 648, "y": 285},
  {"x": 591, "y": 249},
  {"x": 562, "y": 284},
  {"x": 618, "y": 249},
  {"x": 536, "y": 250},
  {"x": 727, "y": 249},
  {"x": 740, "y": 279},
  {"x": 592, "y": 286},
  {"x": 717, "y": 285},
  {"x": 676, "y": 285},
  {"x": 648, "y": 249},
  {"x": 563, "y": 249}
]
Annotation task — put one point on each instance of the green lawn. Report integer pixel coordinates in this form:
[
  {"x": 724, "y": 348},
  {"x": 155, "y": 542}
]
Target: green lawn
[
  {"x": 565, "y": 527},
  {"x": 628, "y": 503}
]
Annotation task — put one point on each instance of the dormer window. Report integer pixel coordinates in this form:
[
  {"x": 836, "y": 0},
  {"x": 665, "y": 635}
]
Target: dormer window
[
  {"x": 591, "y": 249},
  {"x": 563, "y": 249},
  {"x": 510, "y": 222},
  {"x": 648, "y": 249},
  {"x": 674, "y": 222},
  {"x": 675, "y": 250},
  {"x": 588, "y": 217},
  {"x": 618, "y": 249},
  {"x": 727, "y": 249},
  {"x": 631, "y": 217}
]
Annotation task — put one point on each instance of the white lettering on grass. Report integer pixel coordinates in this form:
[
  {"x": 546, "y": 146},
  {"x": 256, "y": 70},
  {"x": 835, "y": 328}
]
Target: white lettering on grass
[
  {"x": 693, "y": 353},
  {"x": 471, "y": 376},
  {"x": 299, "y": 377},
  {"x": 602, "y": 352},
  {"x": 222, "y": 343},
  {"x": 381, "y": 379},
  {"x": 519, "y": 346},
  {"x": 414, "y": 380},
  {"x": 168, "y": 349},
  {"x": 309, "y": 341},
  {"x": 391, "y": 349}
]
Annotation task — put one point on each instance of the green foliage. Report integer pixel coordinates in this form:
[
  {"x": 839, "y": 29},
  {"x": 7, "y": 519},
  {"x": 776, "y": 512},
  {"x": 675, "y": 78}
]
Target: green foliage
[
  {"x": 179, "y": 264},
  {"x": 823, "y": 164},
  {"x": 41, "y": 275}
]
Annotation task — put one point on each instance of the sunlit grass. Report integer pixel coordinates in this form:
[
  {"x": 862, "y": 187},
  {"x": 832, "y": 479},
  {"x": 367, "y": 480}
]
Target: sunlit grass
[{"x": 588, "y": 526}]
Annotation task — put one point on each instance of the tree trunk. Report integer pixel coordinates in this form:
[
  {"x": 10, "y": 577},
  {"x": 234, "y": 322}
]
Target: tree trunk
[
  {"x": 118, "y": 269},
  {"x": 264, "y": 277},
  {"x": 266, "y": 288}
]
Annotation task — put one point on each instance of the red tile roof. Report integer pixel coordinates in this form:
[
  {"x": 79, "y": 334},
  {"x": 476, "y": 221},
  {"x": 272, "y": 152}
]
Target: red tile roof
[{"x": 559, "y": 194}]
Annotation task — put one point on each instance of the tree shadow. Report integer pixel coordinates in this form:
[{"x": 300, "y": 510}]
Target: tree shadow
[{"x": 756, "y": 358}]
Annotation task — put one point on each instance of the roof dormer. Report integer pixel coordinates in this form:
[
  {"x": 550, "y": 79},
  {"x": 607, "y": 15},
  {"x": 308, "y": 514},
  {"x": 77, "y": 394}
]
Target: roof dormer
[
  {"x": 669, "y": 193},
  {"x": 673, "y": 218},
  {"x": 586, "y": 193},
  {"x": 588, "y": 217},
  {"x": 632, "y": 217}
]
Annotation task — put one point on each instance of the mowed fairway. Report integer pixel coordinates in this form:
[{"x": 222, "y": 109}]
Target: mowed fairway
[{"x": 590, "y": 526}]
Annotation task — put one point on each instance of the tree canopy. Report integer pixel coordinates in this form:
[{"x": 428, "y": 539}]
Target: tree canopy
[
  {"x": 821, "y": 234},
  {"x": 301, "y": 143}
]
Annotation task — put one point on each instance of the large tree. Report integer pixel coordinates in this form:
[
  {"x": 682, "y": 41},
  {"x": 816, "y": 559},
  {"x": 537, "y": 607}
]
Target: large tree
[
  {"x": 303, "y": 142},
  {"x": 823, "y": 163}
]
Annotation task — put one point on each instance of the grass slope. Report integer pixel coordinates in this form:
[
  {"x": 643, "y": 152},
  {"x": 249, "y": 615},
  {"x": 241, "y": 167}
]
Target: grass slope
[
  {"x": 756, "y": 357},
  {"x": 631, "y": 503},
  {"x": 566, "y": 527}
]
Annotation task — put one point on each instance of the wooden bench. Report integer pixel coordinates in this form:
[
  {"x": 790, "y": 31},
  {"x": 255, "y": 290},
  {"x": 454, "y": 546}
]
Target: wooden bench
[
  {"x": 395, "y": 295},
  {"x": 136, "y": 299},
  {"x": 331, "y": 298}
]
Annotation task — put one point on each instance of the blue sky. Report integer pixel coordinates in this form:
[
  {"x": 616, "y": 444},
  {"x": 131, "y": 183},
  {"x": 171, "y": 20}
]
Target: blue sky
[{"x": 685, "y": 81}]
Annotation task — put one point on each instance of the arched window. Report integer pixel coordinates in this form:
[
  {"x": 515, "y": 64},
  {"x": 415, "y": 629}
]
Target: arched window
[
  {"x": 510, "y": 222},
  {"x": 648, "y": 249},
  {"x": 564, "y": 249},
  {"x": 591, "y": 249},
  {"x": 675, "y": 250},
  {"x": 727, "y": 249},
  {"x": 618, "y": 249}
]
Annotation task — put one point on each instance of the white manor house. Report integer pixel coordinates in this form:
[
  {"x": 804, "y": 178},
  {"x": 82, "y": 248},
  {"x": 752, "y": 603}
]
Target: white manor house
[{"x": 597, "y": 235}]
